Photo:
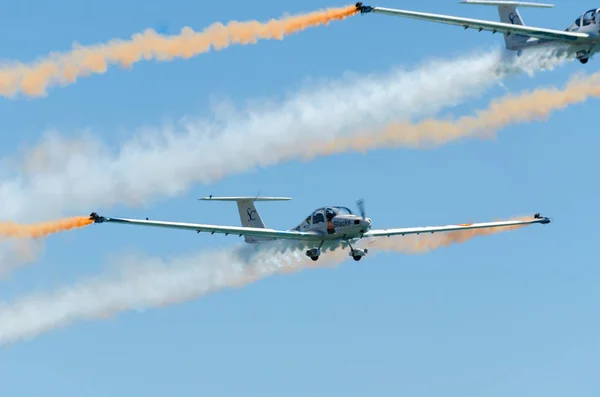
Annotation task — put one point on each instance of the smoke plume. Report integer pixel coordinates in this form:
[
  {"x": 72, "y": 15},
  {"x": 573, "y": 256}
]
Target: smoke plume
[
  {"x": 537, "y": 105},
  {"x": 33, "y": 80},
  {"x": 28, "y": 244},
  {"x": 142, "y": 282},
  {"x": 15, "y": 230},
  {"x": 417, "y": 244}
]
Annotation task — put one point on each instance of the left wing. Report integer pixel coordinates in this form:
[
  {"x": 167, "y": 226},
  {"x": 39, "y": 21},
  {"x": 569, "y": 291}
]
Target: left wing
[
  {"x": 236, "y": 230},
  {"x": 540, "y": 33},
  {"x": 451, "y": 228}
]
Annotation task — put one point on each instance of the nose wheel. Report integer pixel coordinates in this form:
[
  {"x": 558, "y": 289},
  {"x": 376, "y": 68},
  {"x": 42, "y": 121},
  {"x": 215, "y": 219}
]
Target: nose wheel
[{"x": 357, "y": 254}]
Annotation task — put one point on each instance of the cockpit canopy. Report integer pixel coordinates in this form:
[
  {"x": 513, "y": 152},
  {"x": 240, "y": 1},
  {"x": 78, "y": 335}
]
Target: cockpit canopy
[
  {"x": 587, "y": 18},
  {"x": 342, "y": 211},
  {"x": 321, "y": 215}
]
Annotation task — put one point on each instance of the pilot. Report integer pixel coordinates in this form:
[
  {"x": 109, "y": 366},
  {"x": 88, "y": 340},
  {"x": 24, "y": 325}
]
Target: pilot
[{"x": 329, "y": 215}]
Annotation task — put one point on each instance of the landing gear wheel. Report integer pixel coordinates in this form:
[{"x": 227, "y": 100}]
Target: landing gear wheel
[
  {"x": 583, "y": 60},
  {"x": 314, "y": 253},
  {"x": 356, "y": 257}
]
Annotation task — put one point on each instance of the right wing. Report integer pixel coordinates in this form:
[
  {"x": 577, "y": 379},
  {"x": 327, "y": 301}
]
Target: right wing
[
  {"x": 540, "y": 33},
  {"x": 236, "y": 230},
  {"x": 452, "y": 228}
]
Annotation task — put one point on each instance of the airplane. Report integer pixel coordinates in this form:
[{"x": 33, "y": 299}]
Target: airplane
[
  {"x": 325, "y": 228},
  {"x": 581, "y": 39}
]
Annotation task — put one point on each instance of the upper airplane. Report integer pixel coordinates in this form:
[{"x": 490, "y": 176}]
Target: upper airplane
[
  {"x": 581, "y": 38},
  {"x": 329, "y": 227}
]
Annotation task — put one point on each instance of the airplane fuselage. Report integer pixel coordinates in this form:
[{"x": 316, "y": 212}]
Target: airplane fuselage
[{"x": 330, "y": 233}]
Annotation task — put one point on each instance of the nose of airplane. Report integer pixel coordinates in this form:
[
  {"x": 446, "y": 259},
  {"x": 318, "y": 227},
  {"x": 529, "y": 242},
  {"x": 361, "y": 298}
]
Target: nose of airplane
[{"x": 368, "y": 221}]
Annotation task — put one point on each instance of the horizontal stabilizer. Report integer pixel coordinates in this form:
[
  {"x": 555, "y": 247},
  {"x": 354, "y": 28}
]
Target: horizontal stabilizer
[
  {"x": 243, "y": 198},
  {"x": 507, "y": 3}
]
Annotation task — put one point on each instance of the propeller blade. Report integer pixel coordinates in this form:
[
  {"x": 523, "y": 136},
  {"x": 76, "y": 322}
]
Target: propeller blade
[{"x": 361, "y": 206}]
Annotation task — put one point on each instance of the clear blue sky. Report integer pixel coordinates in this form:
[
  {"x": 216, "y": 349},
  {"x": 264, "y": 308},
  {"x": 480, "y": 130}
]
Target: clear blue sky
[{"x": 511, "y": 314}]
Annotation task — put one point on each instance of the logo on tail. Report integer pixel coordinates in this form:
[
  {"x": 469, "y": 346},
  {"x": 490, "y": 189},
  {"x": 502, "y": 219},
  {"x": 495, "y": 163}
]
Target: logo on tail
[
  {"x": 251, "y": 213},
  {"x": 514, "y": 19}
]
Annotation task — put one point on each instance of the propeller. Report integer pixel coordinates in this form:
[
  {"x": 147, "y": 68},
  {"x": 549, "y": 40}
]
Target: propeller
[{"x": 361, "y": 206}]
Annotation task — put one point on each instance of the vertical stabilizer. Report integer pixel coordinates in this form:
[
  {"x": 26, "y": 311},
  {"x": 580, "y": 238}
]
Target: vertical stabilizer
[
  {"x": 510, "y": 14},
  {"x": 249, "y": 215}
]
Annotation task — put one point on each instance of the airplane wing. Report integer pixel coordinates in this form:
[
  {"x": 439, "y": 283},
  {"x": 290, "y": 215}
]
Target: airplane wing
[
  {"x": 540, "y": 33},
  {"x": 451, "y": 228},
  {"x": 236, "y": 230}
]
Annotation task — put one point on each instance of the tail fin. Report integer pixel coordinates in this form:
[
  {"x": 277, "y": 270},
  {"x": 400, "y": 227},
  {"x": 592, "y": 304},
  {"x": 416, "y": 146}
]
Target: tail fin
[
  {"x": 507, "y": 10},
  {"x": 249, "y": 215}
]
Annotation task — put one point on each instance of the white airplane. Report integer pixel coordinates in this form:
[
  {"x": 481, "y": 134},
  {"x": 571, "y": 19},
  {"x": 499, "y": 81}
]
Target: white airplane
[
  {"x": 329, "y": 227},
  {"x": 581, "y": 39}
]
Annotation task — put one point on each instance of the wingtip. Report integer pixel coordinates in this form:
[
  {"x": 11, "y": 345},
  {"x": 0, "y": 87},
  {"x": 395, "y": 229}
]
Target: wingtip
[
  {"x": 544, "y": 220},
  {"x": 96, "y": 218},
  {"x": 363, "y": 8}
]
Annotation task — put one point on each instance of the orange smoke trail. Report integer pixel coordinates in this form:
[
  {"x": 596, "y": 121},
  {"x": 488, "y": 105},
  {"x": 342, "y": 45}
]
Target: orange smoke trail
[
  {"x": 510, "y": 109},
  {"x": 82, "y": 61},
  {"x": 417, "y": 244},
  {"x": 11, "y": 229}
]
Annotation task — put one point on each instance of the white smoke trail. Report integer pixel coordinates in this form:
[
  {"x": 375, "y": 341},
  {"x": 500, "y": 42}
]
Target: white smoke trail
[
  {"x": 141, "y": 282},
  {"x": 534, "y": 59},
  {"x": 61, "y": 177}
]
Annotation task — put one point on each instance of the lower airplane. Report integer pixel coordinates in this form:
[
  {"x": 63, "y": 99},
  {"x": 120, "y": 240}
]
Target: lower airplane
[
  {"x": 581, "y": 39},
  {"x": 326, "y": 227}
]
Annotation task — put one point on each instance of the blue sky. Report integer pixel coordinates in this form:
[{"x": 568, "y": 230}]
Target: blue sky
[{"x": 510, "y": 314}]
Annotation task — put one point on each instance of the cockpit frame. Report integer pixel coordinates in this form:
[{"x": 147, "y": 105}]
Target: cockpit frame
[
  {"x": 590, "y": 17},
  {"x": 320, "y": 215}
]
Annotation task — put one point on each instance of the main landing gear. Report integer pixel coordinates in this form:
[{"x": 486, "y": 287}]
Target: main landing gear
[
  {"x": 583, "y": 56},
  {"x": 313, "y": 253},
  {"x": 355, "y": 253}
]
